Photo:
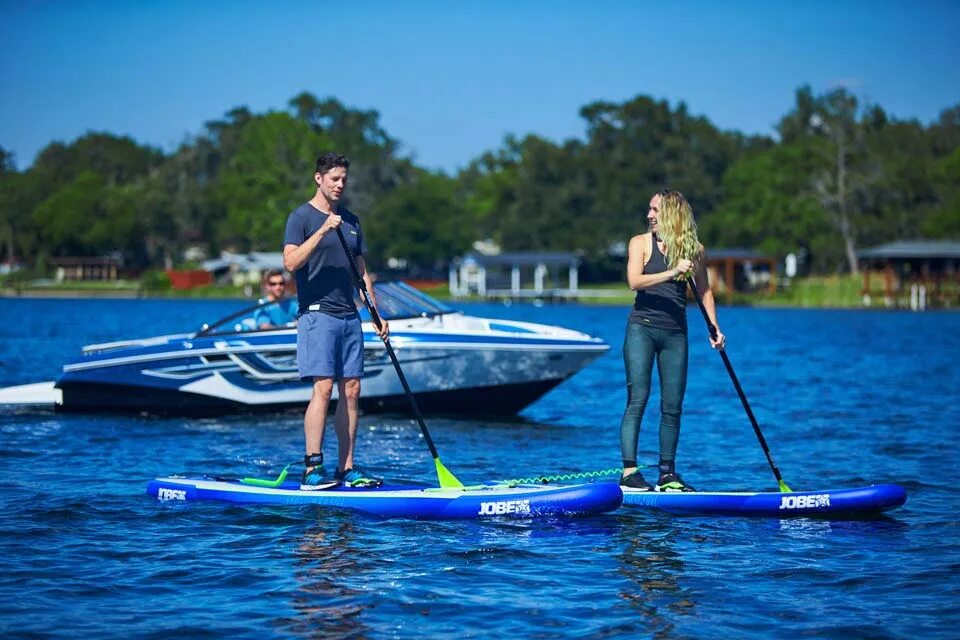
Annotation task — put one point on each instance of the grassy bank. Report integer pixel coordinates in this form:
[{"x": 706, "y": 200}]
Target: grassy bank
[
  {"x": 835, "y": 291},
  {"x": 119, "y": 289},
  {"x": 813, "y": 292}
]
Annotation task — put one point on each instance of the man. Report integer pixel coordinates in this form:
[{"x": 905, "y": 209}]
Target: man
[
  {"x": 275, "y": 312},
  {"x": 329, "y": 335}
]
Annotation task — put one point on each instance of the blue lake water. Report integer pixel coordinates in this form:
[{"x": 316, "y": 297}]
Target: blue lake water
[{"x": 845, "y": 398}]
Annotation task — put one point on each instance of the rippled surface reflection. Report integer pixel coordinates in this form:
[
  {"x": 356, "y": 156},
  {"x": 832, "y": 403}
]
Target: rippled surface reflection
[{"x": 845, "y": 398}]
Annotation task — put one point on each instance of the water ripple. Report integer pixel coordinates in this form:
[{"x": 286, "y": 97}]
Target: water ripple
[{"x": 86, "y": 552}]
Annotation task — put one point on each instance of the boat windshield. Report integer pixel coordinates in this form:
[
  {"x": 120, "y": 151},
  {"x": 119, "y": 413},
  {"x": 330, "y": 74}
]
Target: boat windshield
[{"x": 395, "y": 300}]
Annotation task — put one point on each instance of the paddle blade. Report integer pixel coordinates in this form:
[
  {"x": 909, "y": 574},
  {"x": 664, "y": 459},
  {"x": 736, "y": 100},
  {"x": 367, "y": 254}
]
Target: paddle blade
[
  {"x": 447, "y": 479},
  {"x": 784, "y": 488}
]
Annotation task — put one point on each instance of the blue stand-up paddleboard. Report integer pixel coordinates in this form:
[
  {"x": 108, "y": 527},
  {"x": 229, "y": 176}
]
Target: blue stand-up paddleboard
[
  {"x": 406, "y": 501},
  {"x": 832, "y": 503}
]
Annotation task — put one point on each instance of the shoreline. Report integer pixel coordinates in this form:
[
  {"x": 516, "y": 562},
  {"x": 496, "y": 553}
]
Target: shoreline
[
  {"x": 606, "y": 301},
  {"x": 118, "y": 294},
  {"x": 812, "y": 293}
]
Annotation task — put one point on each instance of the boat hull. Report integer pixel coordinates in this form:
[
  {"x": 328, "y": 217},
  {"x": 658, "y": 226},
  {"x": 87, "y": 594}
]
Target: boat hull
[{"x": 500, "y": 400}]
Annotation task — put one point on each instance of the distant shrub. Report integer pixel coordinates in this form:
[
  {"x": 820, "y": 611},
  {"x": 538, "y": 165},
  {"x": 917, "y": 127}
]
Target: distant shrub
[{"x": 155, "y": 281}]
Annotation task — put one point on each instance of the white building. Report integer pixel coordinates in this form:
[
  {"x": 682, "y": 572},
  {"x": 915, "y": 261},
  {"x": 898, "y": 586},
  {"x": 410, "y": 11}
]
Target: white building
[
  {"x": 243, "y": 268},
  {"x": 515, "y": 275}
]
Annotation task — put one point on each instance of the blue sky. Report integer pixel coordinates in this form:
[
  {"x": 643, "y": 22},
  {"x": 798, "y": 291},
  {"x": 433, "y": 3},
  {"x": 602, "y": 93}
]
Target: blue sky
[{"x": 451, "y": 79}]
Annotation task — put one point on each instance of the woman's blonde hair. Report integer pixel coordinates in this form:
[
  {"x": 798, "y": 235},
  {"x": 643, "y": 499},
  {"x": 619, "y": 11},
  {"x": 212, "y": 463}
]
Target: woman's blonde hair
[{"x": 678, "y": 230}]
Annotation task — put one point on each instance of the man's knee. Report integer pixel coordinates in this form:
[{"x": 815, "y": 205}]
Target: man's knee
[
  {"x": 322, "y": 389},
  {"x": 351, "y": 389}
]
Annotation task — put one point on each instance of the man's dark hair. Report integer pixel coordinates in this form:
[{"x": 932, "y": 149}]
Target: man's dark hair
[
  {"x": 273, "y": 273},
  {"x": 329, "y": 160}
]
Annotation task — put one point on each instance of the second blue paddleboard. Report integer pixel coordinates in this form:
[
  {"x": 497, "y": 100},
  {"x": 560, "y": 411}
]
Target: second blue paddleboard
[{"x": 859, "y": 502}]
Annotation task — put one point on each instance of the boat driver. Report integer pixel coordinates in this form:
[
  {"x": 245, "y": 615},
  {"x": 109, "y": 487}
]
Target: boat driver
[{"x": 277, "y": 311}]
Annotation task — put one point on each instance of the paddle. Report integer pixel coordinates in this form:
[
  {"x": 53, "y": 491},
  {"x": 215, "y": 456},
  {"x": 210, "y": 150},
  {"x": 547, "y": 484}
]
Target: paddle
[
  {"x": 447, "y": 479},
  {"x": 736, "y": 383}
]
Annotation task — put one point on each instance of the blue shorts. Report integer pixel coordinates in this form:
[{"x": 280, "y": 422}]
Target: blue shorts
[{"x": 329, "y": 347}]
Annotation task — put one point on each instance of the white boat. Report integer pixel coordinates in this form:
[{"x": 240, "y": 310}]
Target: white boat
[{"x": 455, "y": 364}]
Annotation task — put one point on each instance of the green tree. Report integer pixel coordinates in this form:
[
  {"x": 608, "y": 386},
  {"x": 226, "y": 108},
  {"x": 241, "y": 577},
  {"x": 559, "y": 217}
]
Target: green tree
[
  {"x": 8, "y": 213},
  {"x": 353, "y": 132},
  {"x": 899, "y": 193},
  {"x": 73, "y": 195},
  {"x": 421, "y": 223},
  {"x": 840, "y": 176},
  {"x": 178, "y": 204},
  {"x": 534, "y": 194},
  {"x": 944, "y": 219},
  {"x": 266, "y": 178},
  {"x": 19, "y": 194},
  {"x": 376, "y": 166},
  {"x": 488, "y": 186},
  {"x": 118, "y": 159},
  {"x": 88, "y": 216},
  {"x": 769, "y": 207},
  {"x": 639, "y": 147},
  {"x": 851, "y": 145}
]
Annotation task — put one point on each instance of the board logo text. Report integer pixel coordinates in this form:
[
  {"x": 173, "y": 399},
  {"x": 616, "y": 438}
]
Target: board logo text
[
  {"x": 171, "y": 494},
  {"x": 504, "y": 507},
  {"x": 805, "y": 502}
]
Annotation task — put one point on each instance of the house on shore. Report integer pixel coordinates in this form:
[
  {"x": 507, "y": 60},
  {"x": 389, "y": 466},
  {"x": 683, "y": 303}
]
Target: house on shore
[
  {"x": 555, "y": 275},
  {"x": 86, "y": 268},
  {"x": 915, "y": 274},
  {"x": 520, "y": 275},
  {"x": 243, "y": 268},
  {"x": 733, "y": 270}
]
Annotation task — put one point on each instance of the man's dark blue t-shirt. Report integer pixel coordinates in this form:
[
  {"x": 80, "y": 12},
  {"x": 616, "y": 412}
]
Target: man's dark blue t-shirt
[{"x": 325, "y": 279}]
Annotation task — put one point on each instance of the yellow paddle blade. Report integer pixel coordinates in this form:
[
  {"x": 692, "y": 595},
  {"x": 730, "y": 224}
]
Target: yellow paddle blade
[
  {"x": 447, "y": 479},
  {"x": 784, "y": 488}
]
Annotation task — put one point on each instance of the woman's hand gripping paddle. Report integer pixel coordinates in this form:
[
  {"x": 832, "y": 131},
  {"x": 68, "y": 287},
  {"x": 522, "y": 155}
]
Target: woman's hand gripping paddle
[
  {"x": 736, "y": 383},
  {"x": 447, "y": 479}
]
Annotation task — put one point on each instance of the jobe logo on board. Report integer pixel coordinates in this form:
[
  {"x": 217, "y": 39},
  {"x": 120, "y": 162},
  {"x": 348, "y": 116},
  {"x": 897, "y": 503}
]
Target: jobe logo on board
[
  {"x": 805, "y": 502},
  {"x": 504, "y": 507},
  {"x": 171, "y": 494}
]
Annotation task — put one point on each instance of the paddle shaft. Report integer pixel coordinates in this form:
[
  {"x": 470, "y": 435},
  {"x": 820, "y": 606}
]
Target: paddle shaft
[
  {"x": 736, "y": 384},
  {"x": 393, "y": 356}
]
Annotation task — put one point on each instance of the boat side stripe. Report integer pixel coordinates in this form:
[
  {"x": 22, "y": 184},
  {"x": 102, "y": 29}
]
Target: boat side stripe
[{"x": 173, "y": 355}]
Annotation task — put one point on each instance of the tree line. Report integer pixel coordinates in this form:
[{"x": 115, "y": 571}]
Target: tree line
[{"x": 840, "y": 176}]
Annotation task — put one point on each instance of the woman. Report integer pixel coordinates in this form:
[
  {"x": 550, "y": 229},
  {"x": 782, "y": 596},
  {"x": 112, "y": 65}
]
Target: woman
[{"x": 658, "y": 266}]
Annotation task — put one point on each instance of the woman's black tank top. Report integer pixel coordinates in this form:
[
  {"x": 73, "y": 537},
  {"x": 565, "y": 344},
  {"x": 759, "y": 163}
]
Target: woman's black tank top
[{"x": 663, "y": 305}]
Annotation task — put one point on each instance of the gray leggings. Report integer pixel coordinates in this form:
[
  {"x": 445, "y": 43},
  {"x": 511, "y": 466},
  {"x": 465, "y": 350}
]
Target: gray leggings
[{"x": 640, "y": 346}]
